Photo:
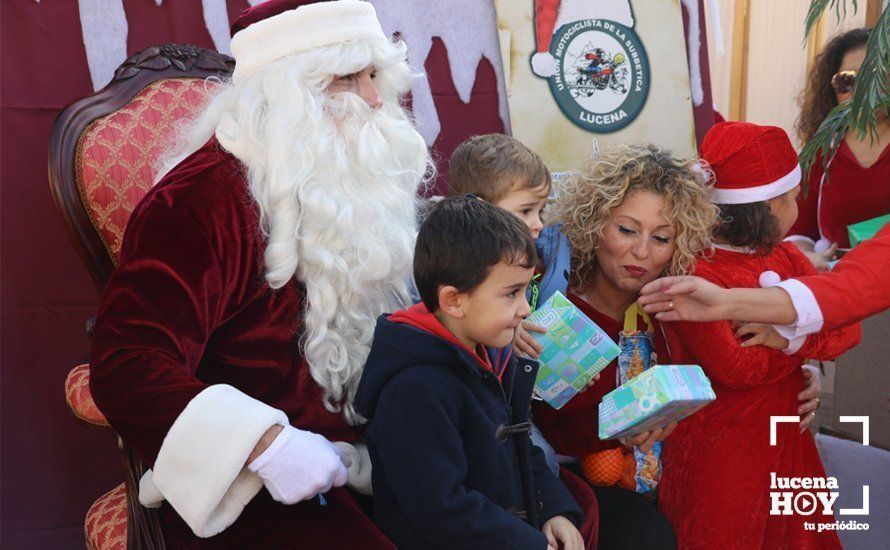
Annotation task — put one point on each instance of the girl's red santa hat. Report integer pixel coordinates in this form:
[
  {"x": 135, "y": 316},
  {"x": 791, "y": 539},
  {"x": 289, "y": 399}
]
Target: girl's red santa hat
[
  {"x": 751, "y": 163},
  {"x": 279, "y": 28}
]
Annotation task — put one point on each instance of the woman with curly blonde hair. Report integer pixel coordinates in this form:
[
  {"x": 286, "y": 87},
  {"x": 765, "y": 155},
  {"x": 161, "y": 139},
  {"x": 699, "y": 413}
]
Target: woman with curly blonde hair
[{"x": 631, "y": 216}]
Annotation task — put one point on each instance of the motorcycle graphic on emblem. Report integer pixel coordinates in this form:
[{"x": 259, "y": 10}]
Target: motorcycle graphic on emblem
[{"x": 598, "y": 70}]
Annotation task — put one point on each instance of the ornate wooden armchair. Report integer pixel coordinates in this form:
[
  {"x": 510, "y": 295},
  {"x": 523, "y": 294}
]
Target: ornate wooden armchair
[{"x": 103, "y": 156}]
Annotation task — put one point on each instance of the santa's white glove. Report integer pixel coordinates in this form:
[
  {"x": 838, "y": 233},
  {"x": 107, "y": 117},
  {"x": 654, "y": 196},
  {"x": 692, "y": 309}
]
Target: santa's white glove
[
  {"x": 358, "y": 465},
  {"x": 298, "y": 465}
]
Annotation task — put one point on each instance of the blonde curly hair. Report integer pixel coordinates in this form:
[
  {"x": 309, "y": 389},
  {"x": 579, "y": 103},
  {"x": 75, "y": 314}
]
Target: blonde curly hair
[{"x": 586, "y": 199}]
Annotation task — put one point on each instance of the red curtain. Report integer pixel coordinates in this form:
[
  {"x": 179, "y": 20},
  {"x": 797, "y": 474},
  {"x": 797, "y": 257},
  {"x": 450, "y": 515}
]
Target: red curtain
[{"x": 53, "y": 468}]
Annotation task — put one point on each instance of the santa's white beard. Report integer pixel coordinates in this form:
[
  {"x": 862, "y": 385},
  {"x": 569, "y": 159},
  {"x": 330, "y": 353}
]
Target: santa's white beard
[{"x": 348, "y": 228}]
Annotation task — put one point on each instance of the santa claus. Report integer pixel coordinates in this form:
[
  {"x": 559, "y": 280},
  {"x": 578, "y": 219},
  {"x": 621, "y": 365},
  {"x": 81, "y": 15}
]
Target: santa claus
[
  {"x": 550, "y": 15},
  {"x": 230, "y": 340}
]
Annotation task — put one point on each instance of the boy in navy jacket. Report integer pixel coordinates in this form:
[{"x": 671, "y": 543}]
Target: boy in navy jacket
[
  {"x": 448, "y": 404},
  {"x": 501, "y": 170}
]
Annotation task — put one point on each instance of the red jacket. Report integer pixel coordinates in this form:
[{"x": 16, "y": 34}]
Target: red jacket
[{"x": 858, "y": 286}]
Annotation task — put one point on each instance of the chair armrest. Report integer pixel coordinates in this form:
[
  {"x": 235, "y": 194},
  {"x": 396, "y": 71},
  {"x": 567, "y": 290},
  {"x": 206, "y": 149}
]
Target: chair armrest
[{"x": 80, "y": 400}]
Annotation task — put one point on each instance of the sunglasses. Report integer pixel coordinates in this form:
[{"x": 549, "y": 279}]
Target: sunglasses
[{"x": 843, "y": 81}]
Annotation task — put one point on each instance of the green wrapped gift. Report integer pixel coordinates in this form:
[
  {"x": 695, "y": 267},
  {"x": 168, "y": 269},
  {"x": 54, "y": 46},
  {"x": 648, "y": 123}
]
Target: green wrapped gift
[
  {"x": 654, "y": 398},
  {"x": 865, "y": 230}
]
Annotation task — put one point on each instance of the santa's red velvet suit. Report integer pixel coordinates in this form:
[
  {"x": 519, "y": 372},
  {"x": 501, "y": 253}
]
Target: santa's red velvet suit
[
  {"x": 188, "y": 308},
  {"x": 196, "y": 360},
  {"x": 718, "y": 463}
]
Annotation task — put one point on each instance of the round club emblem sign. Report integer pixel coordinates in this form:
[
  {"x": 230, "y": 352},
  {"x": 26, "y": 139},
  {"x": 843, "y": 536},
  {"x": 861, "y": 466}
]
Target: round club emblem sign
[{"x": 602, "y": 74}]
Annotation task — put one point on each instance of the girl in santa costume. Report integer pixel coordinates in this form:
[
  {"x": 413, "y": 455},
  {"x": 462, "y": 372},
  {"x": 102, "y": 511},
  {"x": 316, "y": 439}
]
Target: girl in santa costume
[{"x": 718, "y": 463}]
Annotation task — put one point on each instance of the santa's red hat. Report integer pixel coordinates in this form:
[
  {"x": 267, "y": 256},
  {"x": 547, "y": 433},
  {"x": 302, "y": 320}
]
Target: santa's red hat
[
  {"x": 278, "y": 28},
  {"x": 751, "y": 163}
]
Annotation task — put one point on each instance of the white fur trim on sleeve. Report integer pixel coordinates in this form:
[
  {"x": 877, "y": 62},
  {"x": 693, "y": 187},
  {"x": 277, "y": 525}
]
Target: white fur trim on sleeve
[
  {"x": 809, "y": 314},
  {"x": 822, "y": 245},
  {"x": 200, "y": 468}
]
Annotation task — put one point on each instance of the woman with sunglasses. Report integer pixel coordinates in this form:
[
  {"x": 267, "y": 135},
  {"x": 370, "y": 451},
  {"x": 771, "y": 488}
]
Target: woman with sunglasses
[{"x": 857, "y": 186}]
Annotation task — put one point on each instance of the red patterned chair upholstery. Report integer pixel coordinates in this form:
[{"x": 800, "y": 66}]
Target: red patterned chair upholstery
[
  {"x": 79, "y": 399},
  {"x": 103, "y": 157},
  {"x": 106, "y": 523}
]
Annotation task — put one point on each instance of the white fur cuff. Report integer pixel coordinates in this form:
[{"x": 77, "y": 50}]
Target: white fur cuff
[
  {"x": 794, "y": 345},
  {"x": 809, "y": 314},
  {"x": 800, "y": 239},
  {"x": 200, "y": 468}
]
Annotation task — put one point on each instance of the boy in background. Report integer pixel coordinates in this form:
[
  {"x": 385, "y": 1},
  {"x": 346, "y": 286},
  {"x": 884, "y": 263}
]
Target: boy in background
[{"x": 501, "y": 170}]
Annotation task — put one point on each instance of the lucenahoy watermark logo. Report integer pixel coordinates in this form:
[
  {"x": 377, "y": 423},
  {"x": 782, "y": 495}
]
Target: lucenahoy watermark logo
[
  {"x": 815, "y": 496},
  {"x": 602, "y": 74}
]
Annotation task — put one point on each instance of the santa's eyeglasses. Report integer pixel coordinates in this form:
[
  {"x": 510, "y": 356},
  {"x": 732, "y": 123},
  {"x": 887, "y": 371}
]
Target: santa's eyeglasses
[{"x": 842, "y": 82}]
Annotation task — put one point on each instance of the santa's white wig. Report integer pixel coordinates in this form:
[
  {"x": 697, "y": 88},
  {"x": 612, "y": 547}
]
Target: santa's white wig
[{"x": 336, "y": 183}]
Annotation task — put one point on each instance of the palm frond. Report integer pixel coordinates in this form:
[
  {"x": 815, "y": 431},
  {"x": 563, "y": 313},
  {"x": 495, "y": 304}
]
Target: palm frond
[
  {"x": 872, "y": 91},
  {"x": 817, "y": 8},
  {"x": 826, "y": 141}
]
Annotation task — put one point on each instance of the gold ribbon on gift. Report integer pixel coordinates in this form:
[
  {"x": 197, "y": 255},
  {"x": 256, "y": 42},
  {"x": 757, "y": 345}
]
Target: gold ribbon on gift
[{"x": 630, "y": 318}]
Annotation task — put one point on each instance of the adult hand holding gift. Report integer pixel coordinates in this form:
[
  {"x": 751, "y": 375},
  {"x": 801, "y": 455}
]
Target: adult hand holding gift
[{"x": 645, "y": 440}]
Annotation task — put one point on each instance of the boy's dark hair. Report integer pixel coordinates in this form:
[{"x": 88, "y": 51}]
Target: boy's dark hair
[
  {"x": 749, "y": 225},
  {"x": 461, "y": 240},
  {"x": 489, "y": 166}
]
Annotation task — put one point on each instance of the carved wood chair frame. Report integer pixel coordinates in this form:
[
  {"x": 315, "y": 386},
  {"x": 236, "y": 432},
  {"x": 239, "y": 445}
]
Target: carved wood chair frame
[{"x": 156, "y": 63}]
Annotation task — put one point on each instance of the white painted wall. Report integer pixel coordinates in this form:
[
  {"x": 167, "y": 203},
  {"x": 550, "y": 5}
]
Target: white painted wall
[{"x": 777, "y": 57}]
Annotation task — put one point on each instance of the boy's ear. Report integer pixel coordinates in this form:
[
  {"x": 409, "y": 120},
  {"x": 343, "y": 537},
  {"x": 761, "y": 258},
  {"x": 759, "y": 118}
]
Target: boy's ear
[{"x": 451, "y": 301}]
